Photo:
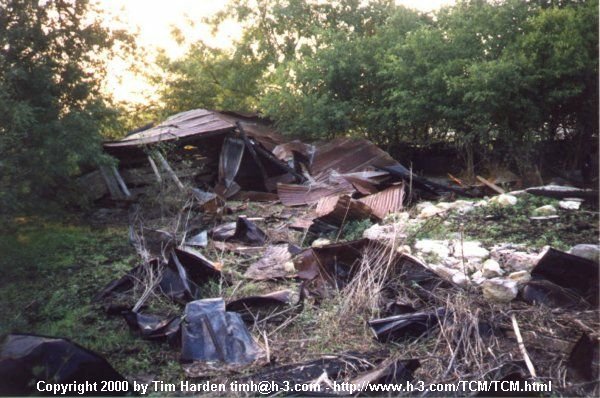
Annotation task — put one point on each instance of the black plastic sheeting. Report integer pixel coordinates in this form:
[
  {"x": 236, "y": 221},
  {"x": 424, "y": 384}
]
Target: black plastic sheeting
[
  {"x": 584, "y": 359},
  {"x": 337, "y": 367},
  {"x": 542, "y": 291},
  {"x": 249, "y": 233},
  {"x": 576, "y": 274},
  {"x": 424, "y": 184},
  {"x": 26, "y": 359},
  {"x": 252, "y": 307},
  {"x": 411, "y": 325},
  {"x": 210, "y": 334},
  {"x": 154, "y": 327},
  {"x": 181, "y": 277},
  {"x": 242, "y": 231}
]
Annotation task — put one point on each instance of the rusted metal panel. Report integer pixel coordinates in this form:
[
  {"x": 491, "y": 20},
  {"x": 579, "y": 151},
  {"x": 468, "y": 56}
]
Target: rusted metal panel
[
  {"x": 285, "y": 152},
  {"x": 385, "y": 202},
  {"x": 199, "y": 122},
  {"x": 297, "y": 195},
  {"x": 339, "y": 210},
  {"x": 347, "y": 155}
]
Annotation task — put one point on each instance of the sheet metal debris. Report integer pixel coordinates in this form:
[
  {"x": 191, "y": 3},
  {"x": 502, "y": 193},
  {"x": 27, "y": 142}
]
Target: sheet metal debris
[
  {"x": 336, "y": 367},
  {"x": 332, "y": 265},
  {"x": 401, "y": 327},
  {"x": 339, "y": 210},
  {"x": 576, "y": 274},
  {"x": 562, "y": 192},
  {"x": 248, "y": 233},
  {"x": 178, "y": 279},
  {"x": 210, "y": 334},
  {"x": 346, "y": 155},
  {"x": 242, "y": 231},
  {"x": 154, "y": 327},
  {"x": 300, "y": 195},
  {"x": 255, "y": 307},
  {"x": 26, "y": 359},
  {"x": 385, "y": 202},
  {"x": 199, "y": 122},
  {"x": 584, "y": 359}
]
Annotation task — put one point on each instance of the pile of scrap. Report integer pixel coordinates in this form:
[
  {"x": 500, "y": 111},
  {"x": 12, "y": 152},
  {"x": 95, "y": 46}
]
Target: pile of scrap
[
  {"x": 240, "y": 156},
  {"x": 223, "y": 152},
  {"x": 216, "y": 158}
]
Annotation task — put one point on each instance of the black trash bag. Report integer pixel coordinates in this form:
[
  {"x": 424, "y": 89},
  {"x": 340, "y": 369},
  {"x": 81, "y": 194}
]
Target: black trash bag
[
  {"x": 210, "y": 334},
  {"x": 28, "y": 360}
]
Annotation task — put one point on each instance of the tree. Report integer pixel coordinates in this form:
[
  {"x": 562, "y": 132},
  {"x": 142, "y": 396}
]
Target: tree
[
  {"x": 52, "y": 57},
  {"x": 496, "y": 79}
]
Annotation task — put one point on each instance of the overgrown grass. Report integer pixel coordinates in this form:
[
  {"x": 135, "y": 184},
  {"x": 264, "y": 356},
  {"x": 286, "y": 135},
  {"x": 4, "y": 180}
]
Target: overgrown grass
[{"x": 51, "y": 272}]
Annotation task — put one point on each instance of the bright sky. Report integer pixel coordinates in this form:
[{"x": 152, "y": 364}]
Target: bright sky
[{"x": 154, "y": 20}]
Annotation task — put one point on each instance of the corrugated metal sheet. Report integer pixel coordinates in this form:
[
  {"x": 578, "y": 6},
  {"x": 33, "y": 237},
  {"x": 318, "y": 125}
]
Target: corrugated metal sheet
[
  {"x": 385, "y": 202},
  {"x": 297, "y": 195},
  {"x": 285, "y": 152},
  {"x": 200, "y": 122},
  {"x": 346, "y": 155},
  {"x": 342, "y": 209}
]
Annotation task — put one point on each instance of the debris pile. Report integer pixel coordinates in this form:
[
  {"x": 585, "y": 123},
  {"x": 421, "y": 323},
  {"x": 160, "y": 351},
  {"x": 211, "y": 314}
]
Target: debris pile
[{"x": 268, "y": 231}]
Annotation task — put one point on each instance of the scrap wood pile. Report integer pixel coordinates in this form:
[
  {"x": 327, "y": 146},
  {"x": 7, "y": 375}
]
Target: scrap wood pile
[{"x": 253, "y": 299}]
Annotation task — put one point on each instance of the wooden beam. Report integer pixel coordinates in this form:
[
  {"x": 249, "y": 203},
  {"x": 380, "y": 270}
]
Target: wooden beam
[
  {"x": 111, "y": 183},
  {"x": 121, "y": 182},
  {"x": 155, "y": 169},
  {"x": 168, "y": 169},
  {"x": 491, "y": 185}
]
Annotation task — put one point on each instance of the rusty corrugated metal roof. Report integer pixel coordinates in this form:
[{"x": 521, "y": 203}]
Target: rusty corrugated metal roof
[
  {"x": 296, "y": 195},
  {"x": 385, "y": 202},
  {"x": 346, "y": 155},
  {"x": 200, "y": 122}
]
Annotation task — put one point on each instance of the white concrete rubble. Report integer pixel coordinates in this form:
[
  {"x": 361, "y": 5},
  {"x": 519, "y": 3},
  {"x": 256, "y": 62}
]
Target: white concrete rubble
[
  {"x": 589, "y": 251},
  {"x": 520, "y": 277},
  {"x": 491, "y": 269},
  {"x": 387, "y": 233},
  {"x": 470, "y": 249},
  {"x": 500, "y": 290},
  {"x": 438, "y": 247},
  {"x": 569, "y": 204},
  {"x": 321, "y": 242},
  {"x": 504, "y": 200},
  {"x": 547, "y": 210}
]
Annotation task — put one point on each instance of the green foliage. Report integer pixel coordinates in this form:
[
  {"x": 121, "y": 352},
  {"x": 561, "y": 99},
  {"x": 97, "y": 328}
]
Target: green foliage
[
  {"x": 493, "y": 78},
  {"x": 52, "y": 58},
  {"x": 51, "y": 271},
  {"x": 355, "y": 229}
]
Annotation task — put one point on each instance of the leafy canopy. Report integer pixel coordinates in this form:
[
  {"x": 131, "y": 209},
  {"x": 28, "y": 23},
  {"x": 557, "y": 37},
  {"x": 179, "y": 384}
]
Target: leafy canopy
[{"x": 52, "y": 58}]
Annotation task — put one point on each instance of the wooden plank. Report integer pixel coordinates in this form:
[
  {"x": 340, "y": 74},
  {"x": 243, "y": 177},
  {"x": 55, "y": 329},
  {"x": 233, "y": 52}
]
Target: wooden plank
[
  {"x": 111, "y": 183},
  {"x": 121, "y": 182},
  {"x": 168, "y": 169},
  {"x": 155, "y": 169},
  {"x": 490, "y": 185}
]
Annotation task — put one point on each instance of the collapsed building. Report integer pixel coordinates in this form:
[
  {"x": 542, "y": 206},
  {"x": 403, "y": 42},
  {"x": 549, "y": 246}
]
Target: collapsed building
[{"x": 241, "y": 156}]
